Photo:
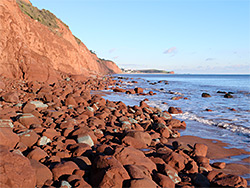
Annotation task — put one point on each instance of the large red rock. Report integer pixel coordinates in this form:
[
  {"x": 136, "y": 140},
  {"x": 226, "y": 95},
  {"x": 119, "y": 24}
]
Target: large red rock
[
  {"x": 132, "y": 156},
  {"x": 8, "y": 137},
  {"x": 220, "y": 165},
  {"x": 108, "y": 172},
  {"x": 203, "y": 163},
  {"x": 28, "y": 119},
  {"x": 29, "y": 137},
  {"x": 173, "y": 110},
  {"x": 130, "y": 141},
  {"x": 37, "y": 154},
  {"x": 16, "y": 170},
  {"x": 64, "y": 168},
  {"x": 27, "y": 56},
  {"x": 138, "y": 90},
  {"x": 163, "y": 181},
  {"x": 43, "y": 173},
  {"x": 119, "y": 90},
  {"x": 142, "y": 182},
  {"x": 175, "y": 160},
  {"x": 175, "y": 123},
  {"x": 137, "y": 171},
  {"x": 141, "y": 136},
  {"x": 228, "y": 180},
  {"x": 51, "y": 133},
  {"x": 11, "y": 97},
  {"x": 200, "y": 149}
]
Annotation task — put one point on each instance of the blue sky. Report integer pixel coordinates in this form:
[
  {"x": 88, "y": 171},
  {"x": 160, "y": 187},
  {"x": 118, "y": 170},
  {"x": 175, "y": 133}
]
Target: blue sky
[{"x": 186, "y": 36}]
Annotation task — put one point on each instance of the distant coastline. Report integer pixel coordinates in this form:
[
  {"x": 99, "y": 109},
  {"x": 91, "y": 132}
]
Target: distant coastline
[{"x": 146, "y": 71}]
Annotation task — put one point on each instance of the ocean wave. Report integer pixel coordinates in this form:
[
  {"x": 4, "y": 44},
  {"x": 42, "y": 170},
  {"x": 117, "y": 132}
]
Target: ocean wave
[{"x": 230, "y": 126}]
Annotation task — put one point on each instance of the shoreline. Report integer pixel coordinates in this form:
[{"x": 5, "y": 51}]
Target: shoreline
[
  {"x": 80, "y": 138},
  {"x": 237, "y": 160},
  {"x": 239, "y": 165}
]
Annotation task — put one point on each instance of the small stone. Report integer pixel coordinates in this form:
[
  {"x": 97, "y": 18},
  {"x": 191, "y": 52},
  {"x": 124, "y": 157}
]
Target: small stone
[
  {"x": 28, "y": 119},
  {"x": 144, "y": 137},
  {"x": 173, "y": 110},
  {"x": 51, "y": 133},
  {"x": 205, "y": 95},
  {"x": 228, "y": 95},
  {"x": 29, "y": 137},
  {"x": 208, "y": 110},
  {"x": 65, "y": 184},
  {"x": 163, "y": 181},
  {"x": 39, "y": 104},
  {"x": 85, "y": 138},
  {"x": 8, "y": 137},
  {"x": 200, "y": 149},
  {"x": 220, "y": 165},
  {"x": 119, "y": 90},
  {"x": 37, "y": 154},
  {"x": 11, "y": 97},
  {"x": 138, "y": 90},
  {"x": 44, "y": 140}
]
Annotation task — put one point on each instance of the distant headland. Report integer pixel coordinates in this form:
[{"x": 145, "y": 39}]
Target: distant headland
[{"x": 146, "y": 71}]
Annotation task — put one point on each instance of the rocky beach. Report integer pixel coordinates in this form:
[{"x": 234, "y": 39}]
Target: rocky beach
[
  {"x": 66, "y": 119},
  {"x": 61, "y": 135}
]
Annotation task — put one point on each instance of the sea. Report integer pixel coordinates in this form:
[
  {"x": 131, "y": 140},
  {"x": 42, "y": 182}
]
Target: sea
[{"x": 221, "y": 123}]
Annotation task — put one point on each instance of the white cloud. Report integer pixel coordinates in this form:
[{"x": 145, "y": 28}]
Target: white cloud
[{"x": 171, "y": 50}]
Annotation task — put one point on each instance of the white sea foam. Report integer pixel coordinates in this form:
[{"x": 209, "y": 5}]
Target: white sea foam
[
  {"x": 230, "y": 126},
  {"x": 222, "y": 123}
]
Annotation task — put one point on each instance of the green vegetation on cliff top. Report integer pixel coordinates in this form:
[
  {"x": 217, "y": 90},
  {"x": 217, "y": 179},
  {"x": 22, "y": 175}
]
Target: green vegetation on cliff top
[{"x": 43, "y": 16}]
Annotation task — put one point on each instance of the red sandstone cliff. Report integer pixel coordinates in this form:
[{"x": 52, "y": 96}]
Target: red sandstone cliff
[{"x": 33, "y": 51}]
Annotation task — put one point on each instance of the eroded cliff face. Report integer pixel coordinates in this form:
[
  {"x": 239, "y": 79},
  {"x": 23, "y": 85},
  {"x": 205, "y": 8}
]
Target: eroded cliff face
[{"x": 33, "y": 51}]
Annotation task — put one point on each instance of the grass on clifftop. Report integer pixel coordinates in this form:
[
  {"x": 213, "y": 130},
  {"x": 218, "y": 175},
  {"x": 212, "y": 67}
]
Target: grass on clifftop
[{"x": 43, "y": 16}]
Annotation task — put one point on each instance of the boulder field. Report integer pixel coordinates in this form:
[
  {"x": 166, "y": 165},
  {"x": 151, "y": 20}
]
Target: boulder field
[{"x": 61, "y": 135}]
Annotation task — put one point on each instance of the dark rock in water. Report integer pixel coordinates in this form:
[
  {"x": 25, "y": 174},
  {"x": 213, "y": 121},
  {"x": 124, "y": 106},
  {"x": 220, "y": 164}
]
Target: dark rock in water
[
  {"x": 119, "y": 90},
  {"x": 228, "y": 95},
  {"x": 205, "y": 95},
  {"x": 221, "y": 92},
  {"x": 233, "y": 109},
  {"x": 173, "y": 110},
  {"x": 138, "y": 90}
]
